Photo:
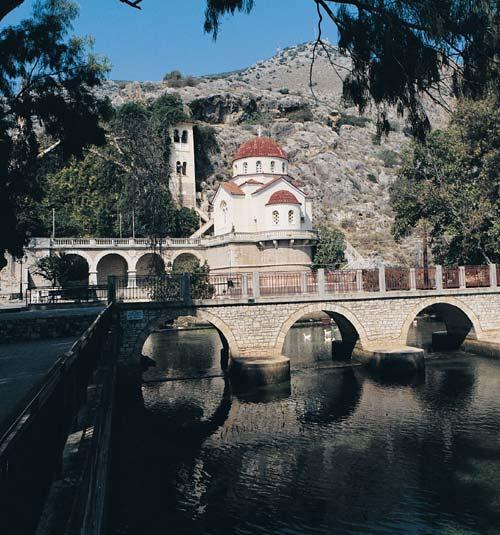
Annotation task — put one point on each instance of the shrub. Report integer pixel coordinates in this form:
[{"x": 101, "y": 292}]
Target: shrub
[
  {"x": 371, "y": 177},
  {"x": 175, "y": 79},
  {"x": 301, "y": 115},
  {"x": 284, "y": 91},
  {"x": 353, "y": 120},
  {"x": 389, "y": 157}
]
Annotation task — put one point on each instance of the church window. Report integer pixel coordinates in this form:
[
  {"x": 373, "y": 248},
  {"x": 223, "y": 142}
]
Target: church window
[
  {"x": 273, "y": 165},
  {"x": 184, "y": 138},
  {"x": 291, "y": 216},
  {"x": 223, "y": 209},
  {"x": 276, "y": 217},
  {"x": 184, "y": 167},
  {"x": 258, "y": 167},
  {"x": 245, "y": 168},
  {"x": 178, "y": 168},
  {"x": 283, "y": 167},
  {"x": 176, "y": 136}
]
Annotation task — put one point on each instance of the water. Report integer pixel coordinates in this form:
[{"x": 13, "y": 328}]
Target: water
[{"x": 336, "y": 451}]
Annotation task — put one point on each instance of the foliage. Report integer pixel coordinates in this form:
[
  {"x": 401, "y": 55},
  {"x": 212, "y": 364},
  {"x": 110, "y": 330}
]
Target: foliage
[
  {"x": 353, "y": 120},
  {"x": 389, "y": 157},
  {"x": 301, "y": 115},
  {"x": 329, "y": 249},
  {"x": 186, "y": 222},
  {"x": 175, "y": 79},
  {"x": 451, "y": 183},
  {"x": 63, "y": 270},
  {"x": 405, "y": 50},
  {"x": 47, "y": 84},
  {"x": 205, "y": 144}
]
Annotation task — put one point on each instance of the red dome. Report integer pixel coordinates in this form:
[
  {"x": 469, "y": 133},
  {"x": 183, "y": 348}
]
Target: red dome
[
  {"x": 260, "y": 146},
  {"x": 282, "y": 197}
]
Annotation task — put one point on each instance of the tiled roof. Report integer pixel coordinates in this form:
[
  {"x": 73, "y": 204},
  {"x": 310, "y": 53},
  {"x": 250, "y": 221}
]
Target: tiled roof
[
  {"x": 260, "y": 146},
  {"x": 254, "y": 182},
  {"x": 232, "y": 188},
  {"x": 282, "y": 196}
]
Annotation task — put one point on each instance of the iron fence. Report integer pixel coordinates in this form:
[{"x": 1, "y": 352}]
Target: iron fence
[
  {"x": 73, "y": 294},
  {"x": 451, "y": 277},
  {"x": 477, "y": 276},
  {"x": 280, "y": 283},
  {"x": 370, "y": 280},
  {"x": 425, "y": 278},
  {"x": 341, "y": 280},
  {"x": 231, "y": 285},
  {"x": 147, "y": 288},
  {"x": 397, "y": 279}
]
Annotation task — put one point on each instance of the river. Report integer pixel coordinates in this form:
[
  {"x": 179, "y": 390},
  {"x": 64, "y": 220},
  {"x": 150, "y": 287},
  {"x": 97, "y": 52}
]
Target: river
[{"x": 336, "y": 451}]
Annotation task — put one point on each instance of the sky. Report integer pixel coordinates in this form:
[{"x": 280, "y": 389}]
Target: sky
[{"x": 168, "y": 34}]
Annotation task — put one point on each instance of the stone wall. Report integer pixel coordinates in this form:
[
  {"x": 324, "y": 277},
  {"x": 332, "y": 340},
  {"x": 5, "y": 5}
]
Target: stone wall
[{"x": 26, "y": 326}]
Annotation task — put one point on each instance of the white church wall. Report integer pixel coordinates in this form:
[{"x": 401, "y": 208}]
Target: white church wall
[{"x": 266, "y": 166}]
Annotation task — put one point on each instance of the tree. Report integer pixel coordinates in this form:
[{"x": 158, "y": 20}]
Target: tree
[
  {"x": 63, "y": 270},
  {"x": 329, "y": 249},
  {"x": 451, "y": 183},
  {"x": 404, "y": 50},
  {"x": 47, "y": 100}
]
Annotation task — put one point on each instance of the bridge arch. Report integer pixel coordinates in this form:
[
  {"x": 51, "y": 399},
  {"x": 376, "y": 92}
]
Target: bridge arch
[
  {"x": 457, "y": 316},
  {"x": 346, "y": 321},
  {"x": 228, "y": 340}
]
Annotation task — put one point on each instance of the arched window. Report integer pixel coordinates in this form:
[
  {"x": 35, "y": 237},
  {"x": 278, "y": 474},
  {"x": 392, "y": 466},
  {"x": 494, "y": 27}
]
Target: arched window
[
  {"x": 258, "y": 167},
  {"x": 184, "y": 138},
  {"x": 176, "y": 136},
  {"x": 235, "y": 168},
  {"x": 273, "y": 165},
  {"x": 223, "y": 209},
  {"x": 245, "y": 168},
  {"x": 184, "y": 167},
  {"x": 276, "y": 217},
  {"x": 291, "y": 216},
  {"x": 283, "y": 167},
  {"x": 178, "y": 168}
]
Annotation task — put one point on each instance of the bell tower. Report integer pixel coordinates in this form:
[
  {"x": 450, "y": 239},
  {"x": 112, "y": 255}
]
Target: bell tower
[{"x": 182, "y": 166}]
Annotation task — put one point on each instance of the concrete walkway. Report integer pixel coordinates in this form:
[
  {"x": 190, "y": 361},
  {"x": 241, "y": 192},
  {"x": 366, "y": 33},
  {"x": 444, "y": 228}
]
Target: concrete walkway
[{"x": 23, "y": 367}]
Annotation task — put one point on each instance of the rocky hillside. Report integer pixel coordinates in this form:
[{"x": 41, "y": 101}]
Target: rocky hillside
[{"x": 332, "y": 150}]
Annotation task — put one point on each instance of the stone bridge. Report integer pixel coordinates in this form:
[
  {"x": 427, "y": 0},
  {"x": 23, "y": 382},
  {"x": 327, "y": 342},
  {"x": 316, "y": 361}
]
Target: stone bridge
[{"x": 372, "y": 324}]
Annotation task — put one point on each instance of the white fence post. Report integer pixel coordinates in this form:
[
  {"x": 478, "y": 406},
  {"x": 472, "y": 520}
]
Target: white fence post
[
  {"x": 439, "y": 277},
  {"x": 493, "y": 276},
  {"x": 359, "y": 280},
  {"x": 244, "y": 285},
  {"x": 461, "y": 277},
  {"x": 256, "y": 284},
  {"x": 303, "y": 282},
  {"x": 413, "y": 279},
  {"x": 321, "y": 282},
  {"x": 381, "y": 278}
]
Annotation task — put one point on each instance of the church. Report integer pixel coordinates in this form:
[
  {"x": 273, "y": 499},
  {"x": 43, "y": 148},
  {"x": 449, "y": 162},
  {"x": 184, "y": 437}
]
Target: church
[
  {"x": 261, "y": 197},
  {"x": 260, "y": 220}
]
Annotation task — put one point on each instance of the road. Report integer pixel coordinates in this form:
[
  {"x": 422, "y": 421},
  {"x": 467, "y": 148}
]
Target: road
[{"x": 23, "y": 367}]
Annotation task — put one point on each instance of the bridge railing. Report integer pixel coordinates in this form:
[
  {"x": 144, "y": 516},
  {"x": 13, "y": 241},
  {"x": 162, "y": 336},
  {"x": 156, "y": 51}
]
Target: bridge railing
[
  {"x": 58, "y": 295},
  {"x": 32, "y": 441},
  {"x": 182, "y": 287}
]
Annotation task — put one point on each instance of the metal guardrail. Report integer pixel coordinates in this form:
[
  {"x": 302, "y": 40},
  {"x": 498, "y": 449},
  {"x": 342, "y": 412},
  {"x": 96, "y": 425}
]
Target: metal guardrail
[{"x": 32, "y": 441}]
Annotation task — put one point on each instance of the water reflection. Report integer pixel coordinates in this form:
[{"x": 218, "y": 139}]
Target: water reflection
[{"x": 335, "y": 452}]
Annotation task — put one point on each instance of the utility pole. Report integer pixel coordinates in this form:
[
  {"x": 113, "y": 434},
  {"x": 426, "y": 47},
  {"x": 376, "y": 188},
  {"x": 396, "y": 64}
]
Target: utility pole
[
  {"x": 425, "y": 256},
  {"x": 120, "y": 223},
  {"x": 133, "y": 223},
  {"x": 53, "y": 223}
]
